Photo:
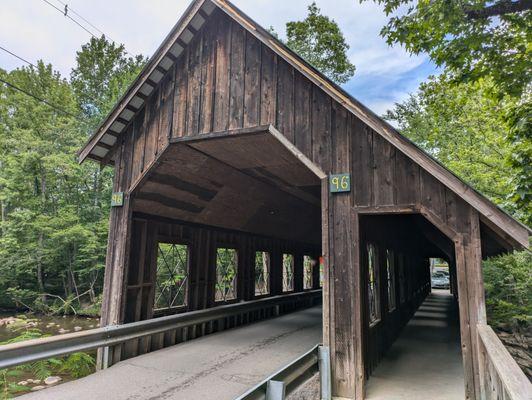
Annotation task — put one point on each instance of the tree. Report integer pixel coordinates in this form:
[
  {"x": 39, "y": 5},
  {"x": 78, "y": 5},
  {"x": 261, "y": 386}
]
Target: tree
[
  {"x": 55, "y": 211},
  {"x": 476, "y": 40},
  {"x": 472, "y": 38},
  {"x": 103, "y": 72},
  {"x": 319, "y": 40},
  {"x": 465, "y": 128}
]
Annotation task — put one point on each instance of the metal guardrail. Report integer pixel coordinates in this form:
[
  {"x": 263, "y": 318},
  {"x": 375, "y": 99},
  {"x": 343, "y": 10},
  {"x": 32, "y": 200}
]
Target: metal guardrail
[
  {"x": 284, "y": 381},
  {"x": 39, "y": 349}
]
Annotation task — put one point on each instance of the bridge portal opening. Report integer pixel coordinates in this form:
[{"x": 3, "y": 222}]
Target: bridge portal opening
[
  {"x": 412, "y": 322},
  {"x": 221, "y": 219}
]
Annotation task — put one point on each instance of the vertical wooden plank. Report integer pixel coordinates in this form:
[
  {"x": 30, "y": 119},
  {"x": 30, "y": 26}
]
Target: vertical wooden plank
[
  {"x": 383, "y": 171},
  {"x": 180, "y": 96},
  {"x": 321, "y": 125},
  {"x": 194, "y": 84},
  {"x": 406, "y": 180},
  {"x": 362, "y": 159},
  {"x": 139, "y": 136},
  {"x": 166, "y": 107},
  {"x": 152, "y": 129},
  {"x": 252, "y": 81},
  {"x": 223, "y": 51},
  {"x": 285, "y": 100},
  {"x": 303, "y": 115},
  {"x": 268, "y": 87},
  {"x": 208, "y": 79},
  {"x": 433, "y": 195},
  {"x": 236, "y": 77}
]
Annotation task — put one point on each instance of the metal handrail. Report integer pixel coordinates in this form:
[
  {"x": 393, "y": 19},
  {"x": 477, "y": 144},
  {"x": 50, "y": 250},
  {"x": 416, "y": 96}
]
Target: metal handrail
[{"x": 42, "y": 348}]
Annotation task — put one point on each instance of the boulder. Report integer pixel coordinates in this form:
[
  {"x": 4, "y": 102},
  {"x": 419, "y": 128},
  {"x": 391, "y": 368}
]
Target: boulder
[
  {"x": 52, "y": 380},
  {"x": 35, "y": 388},
  {"x": 77, "y": 328},
  {"x": 22, "y": 383}
]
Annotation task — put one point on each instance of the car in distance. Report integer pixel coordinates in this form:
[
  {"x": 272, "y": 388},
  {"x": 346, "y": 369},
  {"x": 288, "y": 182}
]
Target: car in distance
[{"x": 439, "y": 280}]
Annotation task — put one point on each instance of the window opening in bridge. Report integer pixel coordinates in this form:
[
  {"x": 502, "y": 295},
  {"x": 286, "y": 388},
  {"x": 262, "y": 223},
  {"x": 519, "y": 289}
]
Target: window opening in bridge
[
  {"x": 373, "y": 286},
  {"x": 288, "y": 272},
  {"x": 402, "y": 278},
  {"x": 309, "y": 264},
  {"x": 172, "y": 276},
  {"x": 226, "y": 270},
  {"x": 262, "y": 273},
  {"x": 390, "y": 278}
]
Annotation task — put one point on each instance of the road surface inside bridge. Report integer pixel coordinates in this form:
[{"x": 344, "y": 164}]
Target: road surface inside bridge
[{"x": 218, "y": 366}]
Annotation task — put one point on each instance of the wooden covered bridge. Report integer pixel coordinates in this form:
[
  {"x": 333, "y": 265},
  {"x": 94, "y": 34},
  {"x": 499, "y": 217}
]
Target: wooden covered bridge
[{"x": 245, "y": 178}]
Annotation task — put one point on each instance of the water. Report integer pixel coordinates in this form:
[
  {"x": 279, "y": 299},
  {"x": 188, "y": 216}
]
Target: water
[{"x": 48, "y": 325}]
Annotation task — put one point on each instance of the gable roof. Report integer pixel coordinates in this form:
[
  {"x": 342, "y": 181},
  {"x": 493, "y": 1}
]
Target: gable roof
[{"x": 101, "y": 144}]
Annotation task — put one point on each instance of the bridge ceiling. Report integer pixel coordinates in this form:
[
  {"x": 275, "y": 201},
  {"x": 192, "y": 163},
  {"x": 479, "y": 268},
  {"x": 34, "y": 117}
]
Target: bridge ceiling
[{"x": 248, "y": 181}]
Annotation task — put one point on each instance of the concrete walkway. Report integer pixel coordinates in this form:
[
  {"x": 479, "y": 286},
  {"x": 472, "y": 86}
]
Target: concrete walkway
[
  {"x": 219, "y": 366},
  {"x": 425, "y": 362}
]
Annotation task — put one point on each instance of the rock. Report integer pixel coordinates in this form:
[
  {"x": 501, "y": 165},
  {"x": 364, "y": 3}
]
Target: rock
[
  {"x": 36, "y": 381},
  {"x": 35, "y": 388},
  {"x": 52, "y": 380},
  {"x": 77, "y": 328},
  {"x": 91, "y": 326},
  {"x": 22, "y": 383},
  {"x": 62, "y": 330}
]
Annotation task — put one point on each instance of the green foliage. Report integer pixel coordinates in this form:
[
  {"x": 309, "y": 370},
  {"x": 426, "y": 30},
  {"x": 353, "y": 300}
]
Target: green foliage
[
  {"x": 508, "y": 285},
  {"x": 78, "y": 365},
  {"x": 519, "y": 119},
  {"x": 473, "y": 38},
  {"x": 465, "y": 128},
  {"x": 54, "y": 212},
  {"x": 103, "y": 72},
  {"x": 319, "y": 40}
]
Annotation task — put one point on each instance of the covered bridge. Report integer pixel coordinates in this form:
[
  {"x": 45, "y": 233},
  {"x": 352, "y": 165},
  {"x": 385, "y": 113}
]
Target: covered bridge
[{"x": 243, "y": 165}]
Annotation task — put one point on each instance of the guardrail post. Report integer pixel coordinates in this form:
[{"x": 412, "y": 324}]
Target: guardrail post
[
  {"x": 324, "y": 365},
  {"x": 275, "y": 390}
]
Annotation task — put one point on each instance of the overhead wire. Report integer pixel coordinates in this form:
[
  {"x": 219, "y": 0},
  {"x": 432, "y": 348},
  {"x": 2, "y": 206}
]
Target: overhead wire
[
  {"x": 17, "y": 56},
  {"x": 68, "y": 9},
  {"x": 72, "y": 19},
  {"x": 57, "y": 108}
]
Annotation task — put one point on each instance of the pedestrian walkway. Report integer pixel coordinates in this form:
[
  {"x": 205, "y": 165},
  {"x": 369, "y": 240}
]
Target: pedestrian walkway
[{"x": 425, "y": 362}]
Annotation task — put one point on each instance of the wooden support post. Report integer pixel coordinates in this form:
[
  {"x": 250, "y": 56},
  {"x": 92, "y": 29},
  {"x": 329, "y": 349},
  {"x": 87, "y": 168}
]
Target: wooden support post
[
  {"x": 342, "y": 310},
  {"x": 471, "y": 301},
  {"x": 117, "y": 257}
]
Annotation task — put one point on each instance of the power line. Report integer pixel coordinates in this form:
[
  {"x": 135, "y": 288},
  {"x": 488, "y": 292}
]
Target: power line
[
  {"x": 19, "y": 57},
  {"x": 57, "y": 108},
  {"x": 72, "y": 19},
  {"x": 66, "y": 11}
]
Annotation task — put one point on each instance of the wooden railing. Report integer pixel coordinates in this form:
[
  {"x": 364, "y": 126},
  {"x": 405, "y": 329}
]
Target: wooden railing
[{"x": 500, "y": 376}]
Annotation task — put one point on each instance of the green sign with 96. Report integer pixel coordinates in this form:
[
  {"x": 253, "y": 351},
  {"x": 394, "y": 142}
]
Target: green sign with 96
[
  {"x": 339, "y": 183},
  {"x": 117, "y": 199}
]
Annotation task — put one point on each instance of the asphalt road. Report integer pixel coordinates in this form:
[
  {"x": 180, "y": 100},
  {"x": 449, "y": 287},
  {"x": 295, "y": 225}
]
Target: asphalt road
[{"x": 218, "y": 366}]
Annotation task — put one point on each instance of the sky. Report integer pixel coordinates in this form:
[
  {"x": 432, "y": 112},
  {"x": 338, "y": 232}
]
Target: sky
[{"x": 34, "y": 30}]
